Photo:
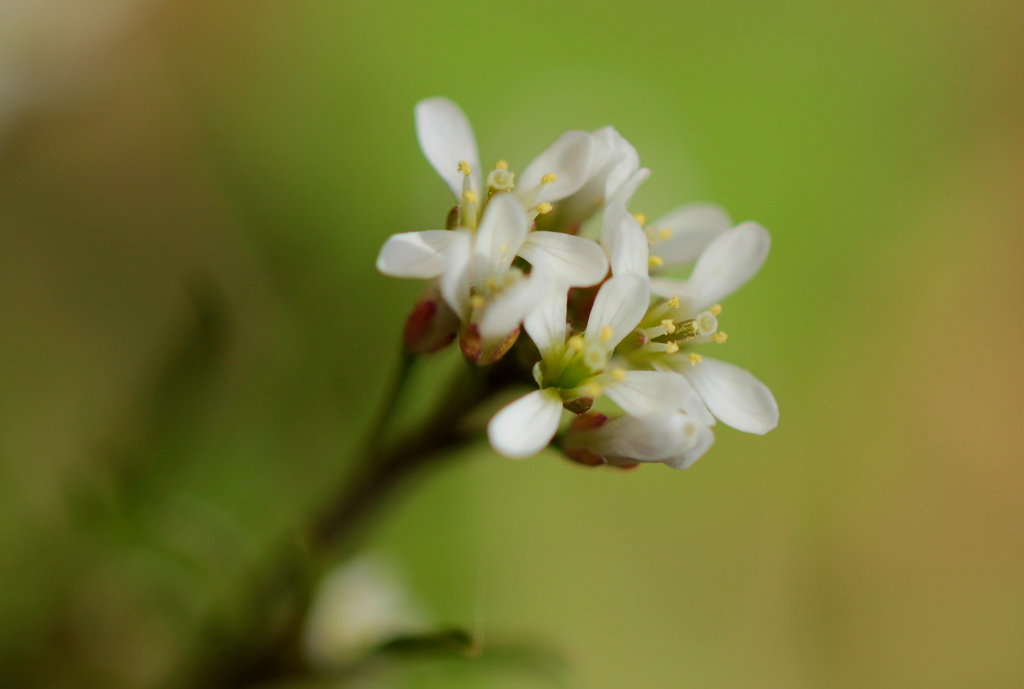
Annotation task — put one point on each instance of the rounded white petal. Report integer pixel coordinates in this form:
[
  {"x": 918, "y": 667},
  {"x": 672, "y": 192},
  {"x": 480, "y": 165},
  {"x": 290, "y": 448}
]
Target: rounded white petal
[
  {"x": 690, "y": 229},
  {"x": 500, "y": 236},
  {"x": 629, "y": 187},
  {"x": 417, "y": 254},
  {"x": 456, "y": 278},
  {"x": 625, "y": 242},
  {"x": 620, "y": 305},
  {"x": 657, "y": 392},
  {"x": 446, "y": 139},
  {"x": 733, "y": 395},
  {"x": 572, "y": 260},
  {"x": 669, "y": 287},
  {"x": 506, "y": 312},
  {"x": 704, "y": 440},
  {"x": 728, "y": 262},
  {"x": 546, "y": 324},
  {"x": 568, "y": 159},
  {"x": 526, "y": 426}
]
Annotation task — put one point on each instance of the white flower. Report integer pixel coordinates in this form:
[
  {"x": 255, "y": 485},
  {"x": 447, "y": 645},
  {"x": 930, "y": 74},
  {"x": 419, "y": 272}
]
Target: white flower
[
  {"x": 726, "y": 260},
  {"x": 360, "y": 605},
  {"x": 671, "y": 437},
  {"x": 474, "y": 260},
  {"x": 576, "y": 369},
  {"x": 610, "y": 180}
]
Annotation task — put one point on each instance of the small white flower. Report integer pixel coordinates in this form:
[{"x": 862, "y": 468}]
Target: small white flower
[
  {"x": 674, "y": 438},
  {"x": 474, "y": 261},
  {"x": 360, "y": 605},
  {"x": 578, "y": 368},
  {"x": 727, "y": 258},
  {"x": 612, "y": 177}
]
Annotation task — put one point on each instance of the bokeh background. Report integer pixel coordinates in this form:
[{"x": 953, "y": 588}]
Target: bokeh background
[{"x": 192, "y": 334}]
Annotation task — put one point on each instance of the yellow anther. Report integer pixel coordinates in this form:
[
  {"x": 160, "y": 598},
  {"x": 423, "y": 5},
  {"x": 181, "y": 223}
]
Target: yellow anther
[
  {"x": 694, "y": 359},
  {"x": 669, "y": 325},
  {"x": 476, "y": 301},
  {"x": 719, "y": 338},
  {"x": 593, "y": 389},
  {"x": 664, "y": 233},
  {"x": 640, "y": 218},
  {"x": 655, "y": 261},
  {"x": 501, "y": 165},
  {"x": 492, "y": 285},
  {"x": 576, "y": 343},
  {"x": 617, "y": 374},
  {"x": 671, "y": 348},
  {"x": 715, "y": 310},
  {"x": 464, "y": 168},
  {"x": 548, "y": 178},
  {"x": 606, "y": 333},
  {"x": 673, "y": 303},
  {"x": 469, "y": 196},
  {"x": 543, "y": 208}
]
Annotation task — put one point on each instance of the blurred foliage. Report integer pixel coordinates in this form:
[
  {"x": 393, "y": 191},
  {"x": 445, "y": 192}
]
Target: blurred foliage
[{"x": 193, "y": 335}]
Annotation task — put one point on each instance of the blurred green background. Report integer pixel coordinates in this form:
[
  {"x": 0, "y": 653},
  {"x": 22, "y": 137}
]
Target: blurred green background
[{"x": 193, "y": 335}]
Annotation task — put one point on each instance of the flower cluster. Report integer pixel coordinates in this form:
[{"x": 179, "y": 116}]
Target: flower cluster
[{"x": 604, "y": 317}]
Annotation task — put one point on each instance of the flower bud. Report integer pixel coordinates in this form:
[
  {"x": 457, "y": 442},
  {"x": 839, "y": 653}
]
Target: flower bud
[
  {"x": 432, "y": 324},
  {"x": 481, "y": 351}
]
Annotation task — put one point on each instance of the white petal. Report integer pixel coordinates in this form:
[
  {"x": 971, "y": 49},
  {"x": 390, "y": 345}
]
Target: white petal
[
  {"x": 572, "y": 260},
  {"x": 501, "y": 233},
  {"x": 546, "y": 324},
  {"x": 417, "y": 254},
  {"x": 456, "y": 278},
  {"x": 657, "y": 392},
  {"x": 733, "y": 395},
  {"x": 692, "y": 228},
  {"x": 727, "y": 264},
  {"x": 623, "y": 171},
  {"x": 507, "y": 311},
  {"x": 620, "y": 304},
  {"x": 669, "y": 287},
  {"x": 446, "y": 139},
  {"x": 568, "y": 159},
  {"x": 625, "y": 242},
  {"x": 526, "y": 426},
  {"x": 705, "y": 439},
  {"x": 626, "y": 191}
]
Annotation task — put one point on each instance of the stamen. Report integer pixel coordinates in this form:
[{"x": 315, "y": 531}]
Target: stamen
[
  {"x": 617, "y": 374},
  {"x": 719, "y": 338},
  {"x": 593, "y": 389},
  {"x": 543, "y": 208},
  {"x": 671, "y": 347},
  {"x": 655, "y": 261},
  {"x": 476, "y": 301},
  {"x": 640, "y": 218},
  {"x": 548, "y": 178},
  {"x": 464, "y": 168},
  {"x": 469, "y": 196},
  {"x": 664, "y": 233},
  {"x": 492, "y": 285},
  {"x": 576, "y": 343},
  {"x": 501, "y": 165},
  {"x": 669, "y": 325},
  {"x": 606, "y": 333},
  {"x": 694, "y": 359},
  {"x": 715, "y": 310},
  {"x": 673, "y": 303}
]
